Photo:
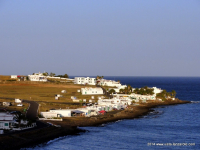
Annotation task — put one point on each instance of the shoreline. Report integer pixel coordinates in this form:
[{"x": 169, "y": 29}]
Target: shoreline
[{"x": 69, "y": 126}]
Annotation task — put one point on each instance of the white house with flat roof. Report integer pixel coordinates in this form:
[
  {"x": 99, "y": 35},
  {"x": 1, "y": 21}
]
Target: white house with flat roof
[
  {"x": 104, "y": 82},
  {"x": 85, "y": 80},
  {"x": 117, "y": 89},
  {"x": 92, "y": 91},
  {"x": 37, "y": 77},
  {"x": 62, "y": 112},
  {"x": 6, "y": 121},
  {"x": 156, "y": 90},
  {"x": 13, "y": 76}
]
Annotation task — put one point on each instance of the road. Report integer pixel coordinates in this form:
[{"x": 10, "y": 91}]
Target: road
[{"x": 32, "y": 111}]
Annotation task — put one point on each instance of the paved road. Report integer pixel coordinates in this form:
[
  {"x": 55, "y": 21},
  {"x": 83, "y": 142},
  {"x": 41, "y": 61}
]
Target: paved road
[{"x": 32, "y": 111}]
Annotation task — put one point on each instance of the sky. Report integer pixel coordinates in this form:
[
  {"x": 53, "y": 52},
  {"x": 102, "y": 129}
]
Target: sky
[{"x": 105, "y": 37}]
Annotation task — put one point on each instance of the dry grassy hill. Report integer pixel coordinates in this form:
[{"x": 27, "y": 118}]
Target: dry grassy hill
[{"x": 43, "y": 92}]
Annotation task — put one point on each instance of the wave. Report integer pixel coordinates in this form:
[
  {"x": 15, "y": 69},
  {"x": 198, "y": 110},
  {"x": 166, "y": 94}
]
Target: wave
[{"x": 195, "y": 101}]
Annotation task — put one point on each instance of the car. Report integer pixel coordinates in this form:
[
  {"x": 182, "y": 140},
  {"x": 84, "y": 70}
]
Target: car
[
  {"x": 115, "y": 109},
  {"x": 50, "y": 123},
  {"x": 20, "y": 105},
  {"x": 14, "y": 112}
]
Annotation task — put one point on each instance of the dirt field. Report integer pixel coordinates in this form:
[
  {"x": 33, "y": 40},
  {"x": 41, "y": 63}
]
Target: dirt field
[{"x": 44, "y": 93}]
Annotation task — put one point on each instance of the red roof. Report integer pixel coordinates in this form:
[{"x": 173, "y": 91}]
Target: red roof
[{"x": 102, "y": 111}]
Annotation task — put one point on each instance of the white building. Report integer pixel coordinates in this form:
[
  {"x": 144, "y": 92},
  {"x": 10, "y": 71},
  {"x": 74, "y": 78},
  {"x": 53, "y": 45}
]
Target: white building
[
  {"x": 104, "y": 82},
  {"x": 91, "y": 91},
  {"x": 18, "y": 100},
  {"x": 115, "y": 102},
  {"x": 83, "y": 80},
  {"x": 49, "y": 114},
  {"x": 137, "y": 97},
  {"x": 117, "y": 89},
  {"x": 13, "y": 77},
  {"x": 6, "y": 121},
  {"x": 62, "y": 112},
  {"x": 156, "y": 90},
  {"x": 37, "y": 77}
]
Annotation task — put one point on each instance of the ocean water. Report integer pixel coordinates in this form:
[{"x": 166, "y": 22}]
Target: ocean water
[{"x": 167, "y": 127}]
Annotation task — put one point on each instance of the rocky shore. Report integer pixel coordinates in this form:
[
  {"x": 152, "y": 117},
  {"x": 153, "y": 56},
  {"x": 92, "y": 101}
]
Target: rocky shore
[{"x": 69, "y": 125}]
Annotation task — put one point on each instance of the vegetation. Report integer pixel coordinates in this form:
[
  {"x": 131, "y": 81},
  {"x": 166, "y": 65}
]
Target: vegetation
[
  {"x": 99, "y": 77},
  {"x": 52, "y": 74},
  {"x": 63, "y": 76},
  {"x": 111, "y": 91},
  {"x": 19, "y": 116},
  {"x": 126, "y": 90},
  {"x": 45, "y": 73},
  {"x": 144, "y": 91},
  {"x": 164, "y": 94}
]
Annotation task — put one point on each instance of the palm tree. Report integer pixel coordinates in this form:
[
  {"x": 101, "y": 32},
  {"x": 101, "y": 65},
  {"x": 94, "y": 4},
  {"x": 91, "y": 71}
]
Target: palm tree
[
  {"x": 52, "y": 74},
  {"x": 129, "y": 88},
  {"x": 173, "y": 93},
  {"x": 126, "y": 90},
  {"x": 136, "y": 90}
]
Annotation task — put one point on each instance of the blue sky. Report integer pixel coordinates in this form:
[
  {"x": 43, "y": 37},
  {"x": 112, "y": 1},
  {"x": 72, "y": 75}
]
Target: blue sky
[{"x": 106, "y": 37}]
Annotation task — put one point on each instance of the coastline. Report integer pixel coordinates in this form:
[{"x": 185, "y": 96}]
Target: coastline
[{"x": 69, "y": 125}]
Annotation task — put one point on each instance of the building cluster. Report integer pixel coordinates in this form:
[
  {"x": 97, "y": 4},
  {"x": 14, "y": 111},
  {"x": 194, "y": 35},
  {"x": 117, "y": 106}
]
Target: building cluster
[
  {"x": 19, "y": 77},
  {"x": 103, "y": 105},
  {"x": 118, "y": 102},
  {"x": 137, "y": 97},
  {"x": 37, "y": 77}
]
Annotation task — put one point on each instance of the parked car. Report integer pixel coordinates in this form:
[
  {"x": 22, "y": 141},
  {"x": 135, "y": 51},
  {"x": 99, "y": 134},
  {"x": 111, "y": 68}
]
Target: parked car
[
  {"x": 14, "y": 112},
  {"x": 50, "y": 123}
]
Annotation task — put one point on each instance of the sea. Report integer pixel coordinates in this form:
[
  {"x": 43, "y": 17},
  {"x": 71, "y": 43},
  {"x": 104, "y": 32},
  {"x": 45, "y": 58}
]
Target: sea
[{"x": 166, "y": 127}]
